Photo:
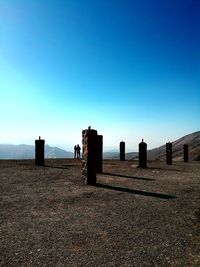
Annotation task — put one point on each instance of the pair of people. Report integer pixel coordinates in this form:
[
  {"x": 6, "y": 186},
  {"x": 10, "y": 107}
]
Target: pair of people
[{"x": 77, "y": 151}]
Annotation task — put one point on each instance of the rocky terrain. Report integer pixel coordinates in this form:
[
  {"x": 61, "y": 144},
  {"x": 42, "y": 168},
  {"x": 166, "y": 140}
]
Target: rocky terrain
[{"x": 132, "y": 217}]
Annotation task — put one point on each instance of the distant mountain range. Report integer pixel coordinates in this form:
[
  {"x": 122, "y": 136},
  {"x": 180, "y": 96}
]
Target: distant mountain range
[
  {"x": 193, "y": 141},
  {"x": 28, "y": 151}
]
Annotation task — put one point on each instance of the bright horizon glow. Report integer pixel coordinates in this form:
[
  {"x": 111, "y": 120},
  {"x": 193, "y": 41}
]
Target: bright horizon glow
[{"x": 129, "y": 69}]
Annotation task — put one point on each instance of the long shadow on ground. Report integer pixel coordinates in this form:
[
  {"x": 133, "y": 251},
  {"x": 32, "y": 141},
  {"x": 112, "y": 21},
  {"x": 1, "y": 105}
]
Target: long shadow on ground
[
  {"x": 125, "y": 176},
  {"x": 137, "y": 192},
  {"x": 57, "y": 167},
  {"x": 164, "y": 169}
]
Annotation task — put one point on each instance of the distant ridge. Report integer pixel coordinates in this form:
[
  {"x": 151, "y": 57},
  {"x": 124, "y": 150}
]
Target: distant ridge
[
  {"x": 8, "y": 151},
  {"x": 193, "y": 141},
  {"x": 23, "y": 151}
]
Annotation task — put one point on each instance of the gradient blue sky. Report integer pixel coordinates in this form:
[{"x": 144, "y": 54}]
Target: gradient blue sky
[{"x": 130, "y": 69}]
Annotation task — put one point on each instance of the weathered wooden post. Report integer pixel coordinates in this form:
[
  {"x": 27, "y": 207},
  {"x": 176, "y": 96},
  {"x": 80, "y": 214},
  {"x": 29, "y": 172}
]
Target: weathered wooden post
[
  {"x": 185, "y": 151},
  {"x": 39, "y": 152},
  {"x": 89, "y": 162},
  {"x": 99, "y": 153},
  {"x": 169, "y": 153},
  {"x": 142, "y": 154},
  {"x": 122, "y": 150}
]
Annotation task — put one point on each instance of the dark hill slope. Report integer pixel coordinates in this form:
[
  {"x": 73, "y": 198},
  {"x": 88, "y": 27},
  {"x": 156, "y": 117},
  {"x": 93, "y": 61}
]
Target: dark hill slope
[{"x": 193, "y": 141}]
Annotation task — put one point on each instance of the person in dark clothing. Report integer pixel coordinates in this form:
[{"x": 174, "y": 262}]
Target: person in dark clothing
[
  {"x": 78, "y": 150},
  {"x": 75, "y": 151}
]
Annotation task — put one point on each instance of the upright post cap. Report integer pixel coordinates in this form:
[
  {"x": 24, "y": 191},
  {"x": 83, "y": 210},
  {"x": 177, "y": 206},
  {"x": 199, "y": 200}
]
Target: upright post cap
[{"x": 39, "y": 137}]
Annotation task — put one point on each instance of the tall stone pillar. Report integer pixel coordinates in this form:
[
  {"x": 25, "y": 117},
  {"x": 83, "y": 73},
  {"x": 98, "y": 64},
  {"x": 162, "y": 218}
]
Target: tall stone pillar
[
  {"x": 122, "y": 150},
  {"x": 99, "y": 153},
  {"x": 169, "y": 153},
  {"x": 39, "y": 152},
  {"x": 89, "y": 163},
  {"x": 142, "y": 154},
  {"x": 185, "y": 151}
]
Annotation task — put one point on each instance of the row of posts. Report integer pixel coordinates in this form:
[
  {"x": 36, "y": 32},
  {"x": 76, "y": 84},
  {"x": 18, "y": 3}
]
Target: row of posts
[
  {"x": 92, "y": 150},
  {"x": 91, "y": 139},
  {"x": 169, "y": 153},
  {"x": 93, "y": 154},
  {"x": 143, "y": 153}
]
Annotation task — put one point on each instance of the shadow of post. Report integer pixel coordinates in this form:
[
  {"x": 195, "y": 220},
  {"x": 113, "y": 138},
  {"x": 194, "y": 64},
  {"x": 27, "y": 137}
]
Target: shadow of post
[
  {"x": 56, "y": 167},
  {"x": 136, "y": 192},
  {"x": 125, "y": 176}
]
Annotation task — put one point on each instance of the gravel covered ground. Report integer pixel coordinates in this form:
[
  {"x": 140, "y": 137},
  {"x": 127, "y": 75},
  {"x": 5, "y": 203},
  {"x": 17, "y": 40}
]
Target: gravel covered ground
[{"x": 133, "y": 217}]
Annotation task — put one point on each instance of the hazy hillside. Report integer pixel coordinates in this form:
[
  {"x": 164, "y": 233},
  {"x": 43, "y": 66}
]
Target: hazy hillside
[
  {"x": 55, "y": 152},
  {"x": 111, "y": 155},
  {"x": 28, "y": 152},
  {"x": 131, "y": 155},
  {"x": 193, "y": 141}
]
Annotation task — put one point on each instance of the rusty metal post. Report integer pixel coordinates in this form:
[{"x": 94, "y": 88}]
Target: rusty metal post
[
  {"x": 169, "y": 153},
  {"x": 142, "y": 154},
  {"x": 39, "y": 152},
  {"x": 122, "y": 150}
]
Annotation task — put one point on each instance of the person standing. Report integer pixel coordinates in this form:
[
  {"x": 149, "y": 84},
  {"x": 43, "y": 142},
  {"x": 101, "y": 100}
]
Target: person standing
[
  {"x": 75, "y": 151},
  {"x": 78, "y": 150}
]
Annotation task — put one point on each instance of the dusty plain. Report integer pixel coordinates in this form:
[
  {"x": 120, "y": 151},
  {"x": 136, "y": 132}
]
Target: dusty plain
[{"x": 133, "y": 217}]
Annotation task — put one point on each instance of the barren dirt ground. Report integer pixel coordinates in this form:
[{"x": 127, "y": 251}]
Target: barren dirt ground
[{"x": 133, "y": 217}]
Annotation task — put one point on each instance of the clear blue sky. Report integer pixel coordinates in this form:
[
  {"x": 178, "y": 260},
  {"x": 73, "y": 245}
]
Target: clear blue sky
[{"x": 130, "y": 69}]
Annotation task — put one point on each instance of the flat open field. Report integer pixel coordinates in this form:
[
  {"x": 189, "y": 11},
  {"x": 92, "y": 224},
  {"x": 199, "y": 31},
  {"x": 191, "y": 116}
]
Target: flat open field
[{"x": 133, "y": 217}]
